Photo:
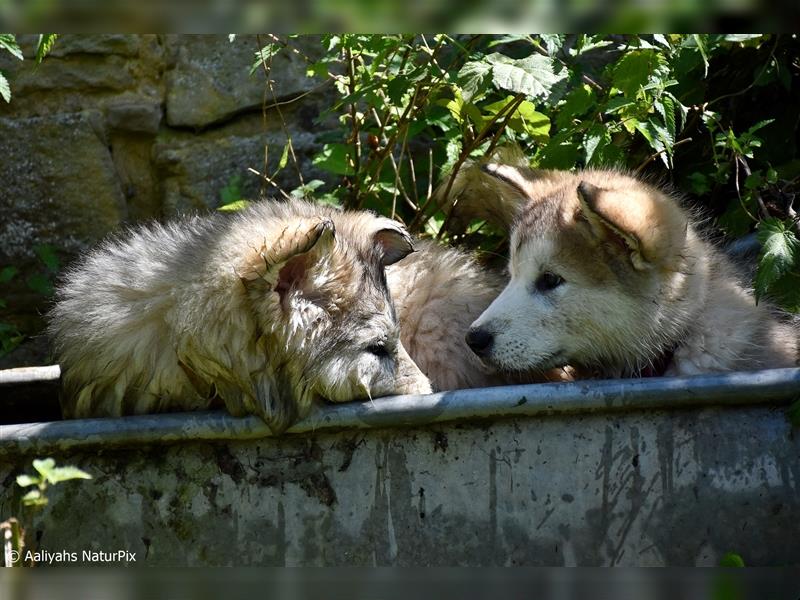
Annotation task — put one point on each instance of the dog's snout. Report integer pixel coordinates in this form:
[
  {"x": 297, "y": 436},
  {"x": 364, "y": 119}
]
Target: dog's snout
[{"x": 479, "y": 340}]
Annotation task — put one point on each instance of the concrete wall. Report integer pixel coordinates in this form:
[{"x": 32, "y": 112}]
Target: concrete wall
[{"x": 679, "y": 487}]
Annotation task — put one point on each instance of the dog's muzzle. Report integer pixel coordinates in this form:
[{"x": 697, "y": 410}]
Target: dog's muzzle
[{"x": 479, "y": 340}]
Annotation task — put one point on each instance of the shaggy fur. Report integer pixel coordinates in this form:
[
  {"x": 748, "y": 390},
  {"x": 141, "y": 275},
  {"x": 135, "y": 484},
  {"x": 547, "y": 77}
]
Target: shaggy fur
[
  {"x": 610, "y": 275},
  {"x": 438, "y": 293},
  {"x": 265, "y": 311}
]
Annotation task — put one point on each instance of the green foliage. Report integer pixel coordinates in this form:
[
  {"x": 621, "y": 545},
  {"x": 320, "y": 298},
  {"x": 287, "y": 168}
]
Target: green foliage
[
  {"x": 413, "y": 109},
  {"x": 39, "y": 282},
  {"x": 780, "y": 253},
  {"x": 714, "y": 114},
  {"x": 231, "y": 192},
  {"x": 8, "y": 42},
  {"x": 731, "y": 559},
  {"x": 45, "y": 45},
  {"x": 47, "y": 474},
  {"x": 10, "y": 338},
  {"x": 8, "y": 273}
]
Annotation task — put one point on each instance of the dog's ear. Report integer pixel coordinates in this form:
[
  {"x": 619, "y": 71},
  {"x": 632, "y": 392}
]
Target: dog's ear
[
  {"x": 284, "y": 263},
  {"x": 392, "y": 241},
  {"x": 651, "y": 226},
  {"x": 518, "y": 178},
  {"x": 492, "y": 190}
]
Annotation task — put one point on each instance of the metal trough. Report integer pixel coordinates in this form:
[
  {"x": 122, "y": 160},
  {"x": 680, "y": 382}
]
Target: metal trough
[{"x": 656, "y": 471}]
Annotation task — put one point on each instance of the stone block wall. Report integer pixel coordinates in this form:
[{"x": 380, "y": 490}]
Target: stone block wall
[{"x": 111, "y": 130}]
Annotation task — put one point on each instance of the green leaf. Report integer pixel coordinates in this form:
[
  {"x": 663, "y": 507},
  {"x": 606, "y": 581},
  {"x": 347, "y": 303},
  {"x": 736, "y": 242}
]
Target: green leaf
[
  {"x": 40, "y": 283},
  {"x": 526, "y": 119},
  {"x": 47, "y": 255},
  {"x": 234, "y": 206},
  {"x": 8, "y": 273},
  {"x": 45, "y": 45},
  {"x": 474, "y": 79},
  {"x": 731, "y": 559},
  {"x": 701, "y": 47},
  {"x": 264, "y": 56},
  {"x": 48, "y": 470},
  {"x": 27, "y": 480},
  {"x": 335, "y": 158},
  {"x": 452, "y": 151},
  {"x": 305, "y": 191},
  {"x": 34, "y": 498},
  {"x": 778, "y": 248},
  {"x": 231, "y": 192},
  {"x": 661, "y": 39},
  {"x": 596, "y": 137},
  {"x": 552, "y": 42},
  {"x": 285, "y": 156},
  {"x": 580, "y": 100},
  {"x": 5, "y": 90},
  {"x": 8, "y": 41},
  {"x": 666, "y": 107},
  {"x": 786, "y": 292},
  {"x": 454, "y": 106},
  {"x": 44, "y": 466},
  {"x": 759, "y": 125},
  {"x": 10, "y": 338},
  {"x": 698, "y": 183},
  {"x": 534, "y": 123},
  {"x": 532, "y": 76},
  {"x": 634, "y": 69},
  {"x": 560, "y": 153},
  {"x": 68, "y": 473},
  {"x": 397, "y": 88}
]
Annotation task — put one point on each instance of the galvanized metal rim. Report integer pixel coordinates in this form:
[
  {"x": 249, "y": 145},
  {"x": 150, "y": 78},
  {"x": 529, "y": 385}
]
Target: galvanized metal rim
[{"x": 776, "y": 387}]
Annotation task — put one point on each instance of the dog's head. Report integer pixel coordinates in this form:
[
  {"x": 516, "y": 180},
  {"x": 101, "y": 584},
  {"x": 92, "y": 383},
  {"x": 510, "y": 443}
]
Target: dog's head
[
  {"x": 596, "y": 259},
  {"x": 328, "y": 324}
]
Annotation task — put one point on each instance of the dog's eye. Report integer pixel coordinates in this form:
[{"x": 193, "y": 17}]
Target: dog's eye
[
  {"x": 378, "y": 350},
  {"x": 548, "y": 281}
]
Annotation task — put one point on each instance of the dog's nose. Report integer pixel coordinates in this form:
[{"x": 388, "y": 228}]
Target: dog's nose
[{"x": 479, "y": 340}]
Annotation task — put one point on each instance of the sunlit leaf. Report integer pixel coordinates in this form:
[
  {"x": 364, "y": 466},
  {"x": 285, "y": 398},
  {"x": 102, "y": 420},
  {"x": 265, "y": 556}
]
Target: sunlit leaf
[
  {"x": 8, "y": 41},
  {"x": 234, "y": 206},
  {"x": 474, "y": 79},
  {"x": 45, "y": 45},
  {"x": 27, "y": 480},
  {"x": 532, "y": 76},
  {"x": 778, "y": 250},
  {"x": 5, "y": 90}
]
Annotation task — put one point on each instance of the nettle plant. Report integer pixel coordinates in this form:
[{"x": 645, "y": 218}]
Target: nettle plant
[{"x": 713, "y": 114}]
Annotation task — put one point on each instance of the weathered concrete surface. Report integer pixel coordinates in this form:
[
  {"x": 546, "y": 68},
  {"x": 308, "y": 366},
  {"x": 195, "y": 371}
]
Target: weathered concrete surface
[{"x": 638, "y": 488}]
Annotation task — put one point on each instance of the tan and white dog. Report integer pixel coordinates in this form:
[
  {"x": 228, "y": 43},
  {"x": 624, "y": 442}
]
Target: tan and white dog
[
  {"x": 610, "y": 274},
  {"x": 438, "y": 292},
  {"x": 264, "y": 312}
]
